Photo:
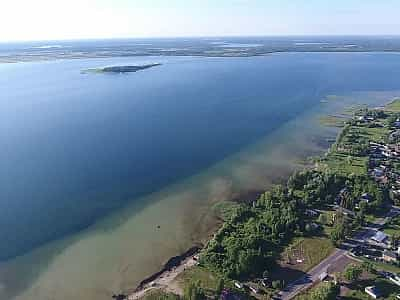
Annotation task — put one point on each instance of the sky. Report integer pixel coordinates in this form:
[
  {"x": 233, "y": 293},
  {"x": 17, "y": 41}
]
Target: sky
[{"x": 81, "y": 19}]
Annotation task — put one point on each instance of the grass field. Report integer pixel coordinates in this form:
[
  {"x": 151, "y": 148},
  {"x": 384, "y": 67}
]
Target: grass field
[
  {"x": 157, "y": 295},
  {"x": 311, "y": 251},
  {"x": 346, "y": 164},
  {"x": 394, "y": 106},
  {"x": 341, "y": 163},
  {"x": 393, "y": 227},
  {"x": 208, "y": 281},
  {"x": 375, "y": 134},
  {"x": 332, "y": 121},
  {"x": 224, "y": 209}
]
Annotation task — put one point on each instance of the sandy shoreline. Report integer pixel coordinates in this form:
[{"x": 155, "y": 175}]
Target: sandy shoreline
[{"x": 163, "y": 279}]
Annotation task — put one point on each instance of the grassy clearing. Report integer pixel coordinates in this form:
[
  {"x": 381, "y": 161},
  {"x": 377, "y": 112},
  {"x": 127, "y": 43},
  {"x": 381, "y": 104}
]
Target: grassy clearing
[
  {"x": 342, "y": 164},
  {"x": 158, "y": 294},
  {"x": 208, "y": 280},
  {"x": 345, "y": 163},
  {"x": 370, "y": 218},
  {"x": 393, "y": 227},
  {"x": 374, "y": 134},
  {"x": 224, "y": 209},
  {"x": 311, "y": 251},
  {"x": 392, "y": 230},
  {"x": 332, "y": 121},
  {"x": 394, "y": 106}
]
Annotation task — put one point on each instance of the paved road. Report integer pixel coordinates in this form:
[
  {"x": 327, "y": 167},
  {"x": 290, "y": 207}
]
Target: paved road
[{"x": 311, "y": 277}]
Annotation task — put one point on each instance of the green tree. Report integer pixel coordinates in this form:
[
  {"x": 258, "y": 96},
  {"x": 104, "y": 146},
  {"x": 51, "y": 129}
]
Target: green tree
[
  {"x": 277, "y": 284},
  {"x": 368, "y": 267},
  {"x": 325, "y": 291},
  {"x": 220, "y": 286},
  {"x": 360, "y": 219},
  {"x": 363, "y": 207},
  {"x": 394, "y": 240},
  {"x": 193, "y": 291},
  {"x": 323, "y": 219},
  {"x": 352, "y": 273},
  {"x": 349, "y": 159},
  {"x": 340, "y": 229}
]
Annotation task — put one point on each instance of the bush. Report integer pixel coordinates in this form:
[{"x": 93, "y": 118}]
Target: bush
[{"x": 277, "y": 284}]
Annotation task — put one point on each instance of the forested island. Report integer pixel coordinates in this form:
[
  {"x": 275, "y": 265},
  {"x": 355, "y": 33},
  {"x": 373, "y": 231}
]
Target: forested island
[
  {"x": 336, "y": 210},
  {"x": 121, "y": 69}
]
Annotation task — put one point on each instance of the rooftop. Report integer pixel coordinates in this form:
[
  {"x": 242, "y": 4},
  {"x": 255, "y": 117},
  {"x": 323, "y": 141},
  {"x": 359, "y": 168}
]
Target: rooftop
[
  {"x": 373, "y": 290},
  {"x": 390, "y": 254},
  {"x": 380, "y": 236}
]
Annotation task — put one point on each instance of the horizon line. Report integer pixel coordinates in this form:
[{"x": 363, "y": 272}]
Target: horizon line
[{"x": 200, "y": 37}]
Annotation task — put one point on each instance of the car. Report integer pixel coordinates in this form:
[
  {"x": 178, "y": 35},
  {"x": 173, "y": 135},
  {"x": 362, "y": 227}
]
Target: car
[
  {"x": 239, "y": 285},
  {"x": 265, "y": 283}
]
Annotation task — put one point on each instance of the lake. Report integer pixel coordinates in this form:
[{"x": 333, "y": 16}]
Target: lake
[{"x": 105, "y": 176}]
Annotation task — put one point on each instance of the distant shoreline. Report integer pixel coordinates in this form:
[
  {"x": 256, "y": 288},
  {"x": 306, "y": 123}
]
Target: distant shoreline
[{"x": 241, "y": 53}]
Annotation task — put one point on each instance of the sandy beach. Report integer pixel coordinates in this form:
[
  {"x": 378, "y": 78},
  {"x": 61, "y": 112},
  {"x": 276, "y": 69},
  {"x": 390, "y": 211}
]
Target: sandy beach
[{"x": 165, "y": 281}]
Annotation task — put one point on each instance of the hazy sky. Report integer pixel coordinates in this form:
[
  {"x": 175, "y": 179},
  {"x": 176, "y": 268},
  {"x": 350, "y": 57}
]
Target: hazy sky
[{"x": 66, "y": 19}]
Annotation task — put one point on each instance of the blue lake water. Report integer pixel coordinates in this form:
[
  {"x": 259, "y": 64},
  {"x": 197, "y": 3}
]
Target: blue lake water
[{"x": 76, "y": 147}]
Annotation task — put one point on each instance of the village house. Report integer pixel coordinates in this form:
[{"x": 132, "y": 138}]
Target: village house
[
  {"x": 395, "y": 279},
  {"x": 311, "y": 213},
  {"x": 394, "y": 136},
  {"x": 323, "y": 276},
  {"x": 347, "y": 212},
  {"x": 373, "y": 291},
  {"x": 378, "y": 172},
  {"x": 380, "y": 237},
  {"x": 395, "y": 192},
  {"x": 366, "y": 197},
  {"x": 389, "y": 256}
]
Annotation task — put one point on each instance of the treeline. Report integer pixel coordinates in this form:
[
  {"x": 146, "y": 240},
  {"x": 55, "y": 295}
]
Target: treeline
[
  {"x": 249, "y": 243},
  {"x": 246, "y": 244}
]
